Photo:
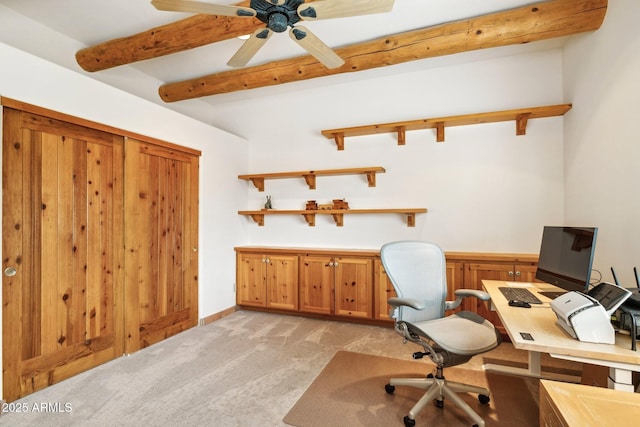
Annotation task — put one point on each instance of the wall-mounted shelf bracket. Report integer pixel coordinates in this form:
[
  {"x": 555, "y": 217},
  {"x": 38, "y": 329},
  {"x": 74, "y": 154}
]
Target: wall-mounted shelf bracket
[
  {"x": 521, "y": 123},
  {"x": 258, "y": 183},
  {"x": 402, "y": 135}
]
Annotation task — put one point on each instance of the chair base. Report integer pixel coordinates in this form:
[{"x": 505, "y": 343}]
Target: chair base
[{"x": 439, "y": 388}]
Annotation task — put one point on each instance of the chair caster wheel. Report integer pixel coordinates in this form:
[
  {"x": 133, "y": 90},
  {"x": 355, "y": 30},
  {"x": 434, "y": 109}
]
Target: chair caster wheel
[
  {"x": 439, "y": 403},
  {"x": 408, "y": 422},
  {"x": 389, "y": 388},
  {"x": 484, "y": 399}
]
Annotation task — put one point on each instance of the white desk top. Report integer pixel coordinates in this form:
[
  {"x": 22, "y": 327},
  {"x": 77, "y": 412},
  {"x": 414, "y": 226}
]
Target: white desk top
[{"x": 540, "y": 322}]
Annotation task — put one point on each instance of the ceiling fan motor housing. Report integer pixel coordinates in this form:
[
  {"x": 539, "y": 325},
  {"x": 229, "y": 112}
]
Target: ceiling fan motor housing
[{"x": 277, "y": 17}]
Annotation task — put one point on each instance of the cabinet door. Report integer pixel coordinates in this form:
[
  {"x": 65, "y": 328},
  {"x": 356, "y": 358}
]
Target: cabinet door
[
  {"x": 526, "y": 272},
  {"x": 316, "y": 284},
  {"x": 251, "y": 280},
  {"x": 455, "y": 280},
  {"x": 353, "y": 285},
  {"x": 282, "y": 282},
  {"x": 473, "y": 276},
  {"x": 383, "y": 291}
]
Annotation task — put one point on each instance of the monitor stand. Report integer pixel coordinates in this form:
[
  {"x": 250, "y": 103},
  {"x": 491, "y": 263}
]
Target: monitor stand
[{"x": 552, "y": 294}]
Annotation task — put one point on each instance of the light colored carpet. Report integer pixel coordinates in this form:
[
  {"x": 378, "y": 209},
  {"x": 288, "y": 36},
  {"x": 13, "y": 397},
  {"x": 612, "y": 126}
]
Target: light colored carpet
[
  {"x": 246, "y": 369},
  {"x": 350, "y": 392}
]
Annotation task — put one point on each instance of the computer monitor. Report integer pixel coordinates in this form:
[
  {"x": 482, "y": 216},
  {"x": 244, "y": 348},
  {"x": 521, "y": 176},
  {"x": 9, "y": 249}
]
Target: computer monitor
[{"x": 566, "y": 257}]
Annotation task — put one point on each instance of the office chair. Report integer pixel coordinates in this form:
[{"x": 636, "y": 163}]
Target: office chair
[{"x": 417, "y": 271}]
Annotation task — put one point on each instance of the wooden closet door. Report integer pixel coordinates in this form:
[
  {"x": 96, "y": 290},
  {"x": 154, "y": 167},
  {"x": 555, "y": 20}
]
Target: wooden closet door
[
  {"x": 161, "y": 229},
  {"x": 62, "y": 250}
]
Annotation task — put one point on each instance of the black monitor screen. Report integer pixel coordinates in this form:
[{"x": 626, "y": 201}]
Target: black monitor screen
[{"x": 566, "y": 256}]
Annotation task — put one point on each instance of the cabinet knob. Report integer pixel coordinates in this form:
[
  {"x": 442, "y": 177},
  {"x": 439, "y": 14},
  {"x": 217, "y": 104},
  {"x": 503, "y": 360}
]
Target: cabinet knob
[
  {"x": 518, "y": 273},
  {"x": 10, "y": 271},
  {"x": 510, "y": 273}
]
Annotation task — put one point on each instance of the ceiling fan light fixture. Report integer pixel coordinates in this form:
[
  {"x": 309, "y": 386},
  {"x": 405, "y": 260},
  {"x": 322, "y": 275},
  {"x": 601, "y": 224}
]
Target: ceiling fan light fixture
[
  {"x": 309, "y": 12},
  {"x": 278, "y": 22},
  {"x": 299, "y": 34},
  {"x": 243, "y": 13}
]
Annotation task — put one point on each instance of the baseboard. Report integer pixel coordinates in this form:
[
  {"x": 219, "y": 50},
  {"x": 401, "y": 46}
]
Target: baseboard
[{"x": 218, "y": 316}]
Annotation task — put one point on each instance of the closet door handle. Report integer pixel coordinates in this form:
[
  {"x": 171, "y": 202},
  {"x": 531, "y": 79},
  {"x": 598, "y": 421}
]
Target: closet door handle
[{"x": 10, "y": 271}]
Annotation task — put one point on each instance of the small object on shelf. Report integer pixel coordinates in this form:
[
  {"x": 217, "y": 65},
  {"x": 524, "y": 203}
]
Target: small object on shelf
[
  {"x": 268, "y": 205},
  {"x": 325, "y": 207},
  {"x": 312, "y": 205},
  {"x": 340, "y": 204}
]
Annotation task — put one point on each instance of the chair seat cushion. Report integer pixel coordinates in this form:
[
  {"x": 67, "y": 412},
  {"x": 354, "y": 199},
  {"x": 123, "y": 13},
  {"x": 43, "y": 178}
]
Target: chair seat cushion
[{"x": 459, "y": 334}]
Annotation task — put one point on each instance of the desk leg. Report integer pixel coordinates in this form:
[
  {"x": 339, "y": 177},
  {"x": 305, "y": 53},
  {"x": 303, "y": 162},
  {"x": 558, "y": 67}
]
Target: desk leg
[
  {"x": 534, "y": 370},
  {"x": 620, "y": 379}
]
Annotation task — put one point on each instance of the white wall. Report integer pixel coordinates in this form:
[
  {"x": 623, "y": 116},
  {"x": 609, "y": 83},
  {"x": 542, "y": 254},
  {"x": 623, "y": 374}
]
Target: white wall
[
  {"x": 27, "y": 78},
  {"x": 486, "y": 188},
  {"x": 602, "y": 150}
]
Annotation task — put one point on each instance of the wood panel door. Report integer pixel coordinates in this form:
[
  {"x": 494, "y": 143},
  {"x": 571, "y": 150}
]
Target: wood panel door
[
  {"x": 316, "y": 284},
  {"x": 282, "y": 282},
  {"x": 250, "y": 280},
  {"x": 62, "y": 250},
  {"x": 161, "y": 247},
  {"x": 353, "y": 287}
]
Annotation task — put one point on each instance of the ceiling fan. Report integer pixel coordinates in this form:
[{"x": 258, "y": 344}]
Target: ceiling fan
[{"x": 278, "y": 15}]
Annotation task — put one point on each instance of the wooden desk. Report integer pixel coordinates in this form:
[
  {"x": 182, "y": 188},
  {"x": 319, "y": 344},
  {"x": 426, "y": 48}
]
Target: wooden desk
[
  {"x": 540, "y": 322},
  {"x": 563, "y": 404}
]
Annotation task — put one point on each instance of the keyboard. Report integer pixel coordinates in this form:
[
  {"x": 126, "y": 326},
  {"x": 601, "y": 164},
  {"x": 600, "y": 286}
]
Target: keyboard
[
  {"x": 520, "y": 294},
  {"x": 552, "y": 294}
]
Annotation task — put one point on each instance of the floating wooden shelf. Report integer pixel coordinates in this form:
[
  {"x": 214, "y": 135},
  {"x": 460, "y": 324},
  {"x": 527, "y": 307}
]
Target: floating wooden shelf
[
  {"x": 310, "y": 176},
  {"x": 520, "y": 116},
  {"x": 310, "y": 215}
]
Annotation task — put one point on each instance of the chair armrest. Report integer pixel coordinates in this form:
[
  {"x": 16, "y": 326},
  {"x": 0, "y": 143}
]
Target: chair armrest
[
  {"x": 463, "y": 293},
  {"x": 411, "y": 302}
]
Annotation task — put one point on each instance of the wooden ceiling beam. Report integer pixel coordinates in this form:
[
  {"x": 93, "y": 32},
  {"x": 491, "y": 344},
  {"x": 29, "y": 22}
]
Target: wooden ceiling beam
[
  {"x": 525, "y": 24},
  {"x": 189, "y": 33}
]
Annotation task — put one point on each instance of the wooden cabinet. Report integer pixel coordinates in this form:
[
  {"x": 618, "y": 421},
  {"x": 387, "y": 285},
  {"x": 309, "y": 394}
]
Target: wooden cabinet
[
  {"x": 511, "y": 270},
  {"x": 336, "y": 285},
  {"x": 351, "y": 283},
  {"x": 384, "y": 289},
  {"x": 267, "y": 280}
]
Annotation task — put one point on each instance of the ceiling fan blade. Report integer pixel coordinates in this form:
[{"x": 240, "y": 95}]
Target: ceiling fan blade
[
  {"x": 316, "y": 47},
  {"x": 250, "y": 47},
  {"x": 328, "y": 9},
  {"x": 202, "y": 7}
]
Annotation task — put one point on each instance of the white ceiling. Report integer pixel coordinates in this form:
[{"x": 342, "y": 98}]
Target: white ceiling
[{"x": 88, "y": 22}]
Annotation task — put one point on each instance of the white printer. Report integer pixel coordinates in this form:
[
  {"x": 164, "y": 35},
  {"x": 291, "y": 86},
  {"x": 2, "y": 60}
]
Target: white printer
[{"x": 587, "y": 317}]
